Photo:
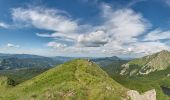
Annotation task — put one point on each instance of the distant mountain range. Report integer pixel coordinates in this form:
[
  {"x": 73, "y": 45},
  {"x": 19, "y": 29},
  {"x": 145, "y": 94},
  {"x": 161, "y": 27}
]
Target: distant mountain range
[
  {"x": 15, "y": 61},
  {"x": 38, "y": 77}
]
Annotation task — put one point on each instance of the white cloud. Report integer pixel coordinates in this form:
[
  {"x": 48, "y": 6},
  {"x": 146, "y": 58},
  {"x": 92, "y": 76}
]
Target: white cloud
[
  {"x": 3, "y": 25},
  {"x": 149, "y": 47},
  {"x": 10, "y": 45},
  {"x": 117, "y": 34},
  {"x": 124, "y": 24},
  {"x": 48, "y": 19},
  {"x": 119, "y": 27},
  {"x": 156, "y": 35},
  {"x": 56, "y": 45},
  {"x": 94, "y": 39},
  {"x": 59, "y": 36}
]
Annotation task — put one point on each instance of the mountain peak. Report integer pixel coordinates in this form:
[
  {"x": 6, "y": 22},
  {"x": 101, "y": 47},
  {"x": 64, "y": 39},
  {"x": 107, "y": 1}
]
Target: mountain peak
[
  {"x": 162, "y": 55},
  {"x": 78, "y": 78}
]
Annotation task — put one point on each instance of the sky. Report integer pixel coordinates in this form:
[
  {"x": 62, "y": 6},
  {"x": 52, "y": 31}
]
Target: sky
[{"x": 84, "y": 28}]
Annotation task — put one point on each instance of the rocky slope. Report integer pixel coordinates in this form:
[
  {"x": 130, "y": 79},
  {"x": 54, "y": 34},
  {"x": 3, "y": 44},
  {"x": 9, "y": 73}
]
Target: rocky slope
[
  {"x": 145, "y": 65},
  {"x": 149, "y": 95}
]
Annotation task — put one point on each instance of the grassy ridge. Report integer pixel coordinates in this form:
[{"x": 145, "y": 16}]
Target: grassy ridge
[{"x": 77, "y": 79}]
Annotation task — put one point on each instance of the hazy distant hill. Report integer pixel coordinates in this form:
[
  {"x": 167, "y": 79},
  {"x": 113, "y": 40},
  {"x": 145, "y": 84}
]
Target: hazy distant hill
[
  {"x": 111, "y": 65},
  {"x": 77, "y": 79},
  {"x": 16, "y": 61}
]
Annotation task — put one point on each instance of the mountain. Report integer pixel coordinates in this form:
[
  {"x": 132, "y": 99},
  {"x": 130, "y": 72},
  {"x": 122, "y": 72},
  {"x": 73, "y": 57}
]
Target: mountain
[
  {"x": 146, "y": 65},
  {"x": 105, "y": 61},
  {"x": 147, "y": 73},
  {"x": 21, "y": 67},
  {"x": 111, "y": 65},
  {"x": 63, "y": 59},
  {"x": 22, "y": 74},
  {"x": 75, "y": 80},
  {"x": 16, "y": 61},
  {"x": 21, "y": 56}
]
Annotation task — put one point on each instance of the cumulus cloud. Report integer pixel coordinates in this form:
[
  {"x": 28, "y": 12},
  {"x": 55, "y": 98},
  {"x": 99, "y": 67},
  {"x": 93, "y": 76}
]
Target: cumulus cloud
[
  {"x": 124, "y": 24},
  {"x": 119, "y": 27},
  {"x": 94, "y": 39},
  {"x": 117, "y": 33}
]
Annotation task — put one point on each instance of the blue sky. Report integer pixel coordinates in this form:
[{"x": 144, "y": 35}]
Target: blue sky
[{"x": 126, "y": 28}]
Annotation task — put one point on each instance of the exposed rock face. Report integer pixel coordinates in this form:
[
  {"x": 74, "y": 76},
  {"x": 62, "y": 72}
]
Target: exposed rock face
[
  {"x": 125, "y": 68},
  {"x": 147, "y": 64},
  {"x": 168, "y": 75},
  {"x": 149, "y": 95}
]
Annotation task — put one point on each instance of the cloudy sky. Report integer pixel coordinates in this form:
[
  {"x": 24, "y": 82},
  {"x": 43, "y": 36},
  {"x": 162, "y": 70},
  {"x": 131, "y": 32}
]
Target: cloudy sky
[{"x": 127, "y": 28}]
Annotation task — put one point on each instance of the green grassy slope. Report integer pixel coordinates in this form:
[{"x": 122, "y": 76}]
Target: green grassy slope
[
  {"x": 145, "y": 65},
  {"x": 144, "y": 83},
  {"x": 159, "y": 76},
  {"x": 77, "y": 79}
]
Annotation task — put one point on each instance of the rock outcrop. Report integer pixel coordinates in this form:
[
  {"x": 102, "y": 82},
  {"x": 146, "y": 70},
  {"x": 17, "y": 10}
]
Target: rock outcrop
[
  {"x": 147, "y": 64},
  {"x": 149, "y": 95}
]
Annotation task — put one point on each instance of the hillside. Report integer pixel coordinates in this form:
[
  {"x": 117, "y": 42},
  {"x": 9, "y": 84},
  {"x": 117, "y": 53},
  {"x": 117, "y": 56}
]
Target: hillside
[
  {"x": 77, "y": 79},
  {"x": 112, "y": 65},
  {"x": 146, "y": 73},
  {"x": 145, "y": 65},
  {"x": 22, "y": 74},
  {"x": 15, "y": 63}
]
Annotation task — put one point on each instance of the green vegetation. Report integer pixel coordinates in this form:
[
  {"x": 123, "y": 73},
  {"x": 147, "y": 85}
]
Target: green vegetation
[
  {"x": 10, "y": 62},
  {"x": 77, "y": 79},
  {"x": 22, "y": 74},
  {"x": 146, "y": 82},
  {"x": 159, "y": 74},
  {"x": 147, "y": 64}
]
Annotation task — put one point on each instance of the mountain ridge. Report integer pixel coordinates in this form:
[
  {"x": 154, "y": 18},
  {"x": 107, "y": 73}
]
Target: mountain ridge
[
  {"x": 147, "y": 64},
  {"x": 76, "y": 79}
]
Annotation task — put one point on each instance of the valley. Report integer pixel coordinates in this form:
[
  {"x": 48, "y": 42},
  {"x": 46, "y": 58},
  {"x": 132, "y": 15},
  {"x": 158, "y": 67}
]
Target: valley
[
  {"x": 84, "y": 49},
  {"x": 59, "y": 81}
]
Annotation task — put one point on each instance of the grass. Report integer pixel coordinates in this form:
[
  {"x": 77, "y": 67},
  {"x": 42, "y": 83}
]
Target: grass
[
  {"x": 147, "y": 82},
  {"x": 22, "y": 74},
  {"x": 77, "y": 79}
]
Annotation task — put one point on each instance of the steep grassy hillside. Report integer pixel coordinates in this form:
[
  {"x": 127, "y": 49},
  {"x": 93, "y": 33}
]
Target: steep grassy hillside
[
  {"x": 77, "y": 79},
  {"x": 145, "y": 65},
  {"x": 144, "y": 83},
  {"x": 149, "y": 72}
]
